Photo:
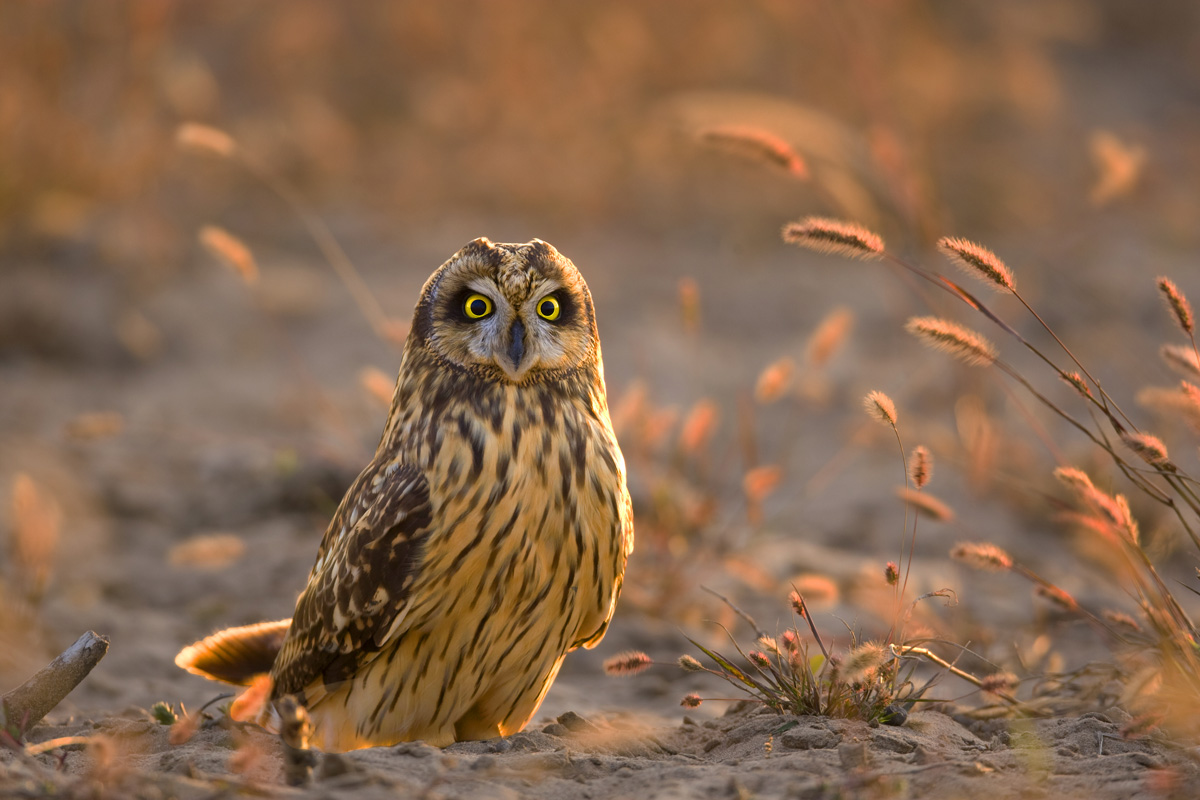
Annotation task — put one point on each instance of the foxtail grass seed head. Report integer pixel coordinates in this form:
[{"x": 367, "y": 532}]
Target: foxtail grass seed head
[
  {"x": 628, "y": 663},
  {"x": 926, "y": 504},
  {"x": 977, "y": 261},
  {"x": 880, "y": 407},
  {"x": 1178, "y": 304},
  {"x": 829, "y": 336},
  {"x": 758, "y": 144},
  {"x": 759, "y": 659},
  {"x": 768, "y": 644},
  {"x": 774, "y": 380},
  {"x": 999, "y": 683},
  {"x": 891, "y": 573},
  {"x": 1121, "y": 620},
  {"x": 962, "y": 343},
  {"x": 1149, "y": 448},
  {"x": 231, "y": 251},
  {"x": 1074, "y": 478},
  {"x": 698, "y": 427},
  {"x": 833, "y": 236},
  {"x": 862, "y": 660},
  {"x": 760, "y": 482},
  {"x": 985, "y": 557},
  {"x": 1181, "y": 359},
  {"x": 205, "y": 139},
  {"x": 690, "y": 664},
  {"x": 1059, "y": 597},
  {"x": 791, "y": 641},
  {"x": 1077, "y": 383},
  {"x": 920, "y": 466},
  {"x": 797, "y": 604},
  {"x": 691, "y": 701}
]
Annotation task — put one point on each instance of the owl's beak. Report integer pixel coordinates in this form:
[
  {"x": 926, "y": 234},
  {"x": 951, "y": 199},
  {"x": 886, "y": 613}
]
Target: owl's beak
[{"x": 516, "y": 349}]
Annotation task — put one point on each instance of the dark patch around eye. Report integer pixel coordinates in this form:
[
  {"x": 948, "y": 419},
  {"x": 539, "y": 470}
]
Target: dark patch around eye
[{"x": 568, "y": 308}]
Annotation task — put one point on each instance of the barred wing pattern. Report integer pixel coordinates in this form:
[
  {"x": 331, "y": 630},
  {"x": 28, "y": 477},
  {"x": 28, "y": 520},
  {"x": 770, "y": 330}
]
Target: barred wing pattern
[{"x": 359, "y": 586}]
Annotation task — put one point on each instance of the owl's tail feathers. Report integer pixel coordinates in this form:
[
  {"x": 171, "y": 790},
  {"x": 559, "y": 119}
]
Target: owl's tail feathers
[{"x": 235, "y": 655}]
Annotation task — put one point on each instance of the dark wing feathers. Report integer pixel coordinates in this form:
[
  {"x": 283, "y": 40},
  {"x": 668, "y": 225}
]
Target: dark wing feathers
[{"x": 361, "y": 581}]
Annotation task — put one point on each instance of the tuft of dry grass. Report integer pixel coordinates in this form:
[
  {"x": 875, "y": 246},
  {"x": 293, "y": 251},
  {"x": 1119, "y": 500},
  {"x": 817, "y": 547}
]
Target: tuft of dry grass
[{"x": 757, "y": 144}]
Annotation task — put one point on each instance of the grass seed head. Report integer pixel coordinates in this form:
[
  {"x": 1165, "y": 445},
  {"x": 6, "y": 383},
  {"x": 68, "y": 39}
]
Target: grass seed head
[
  {"x": 758, "y": 144},
  {"x": 982, "y": 556},
  {"x": 978, "y": 261},
  {"x": 698, "y": 426},
  {"x": 690, "y": 664},
  {"x": 1077, "y": 383},
  {"x": 962, "y": 343},
  {"x": 925, "y": 503},
  {"x": 797, "y": 604},
  {"x": 691, "y": 701},
  {"x": 862, "y": 660},
  {"x": 1181, "y": 359},
  {"x": 774, "y": 380},
  {"x": 829, "y": 336},
  {"x": 1000, "y": 683},
  {"x": 880, "y": 407},
  {"x": 1149, "y": 448},
  {"x": 1178, "y": 304},
  {"x": 760, "y": 482},
  {"x": 1056, "y": 595},
  {"x": 230, "y": 251},
  {"x": 891, "y": 573},
  {"x": 1121, "y": 620},
  {"x": 628, "y": 663},
  {"x": 759, "y": 659},
  {"x": 834, "y": 236},
  {"x": 920, "y": 466},
  {"x": 205, "y": 139}
]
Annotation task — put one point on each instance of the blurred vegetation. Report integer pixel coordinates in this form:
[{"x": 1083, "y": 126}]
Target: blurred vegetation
[{"x": 583, "y": 114}]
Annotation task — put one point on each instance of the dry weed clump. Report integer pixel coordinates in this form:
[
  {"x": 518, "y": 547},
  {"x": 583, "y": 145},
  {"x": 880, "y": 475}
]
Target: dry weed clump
[{"x": 1158, "y": 654}]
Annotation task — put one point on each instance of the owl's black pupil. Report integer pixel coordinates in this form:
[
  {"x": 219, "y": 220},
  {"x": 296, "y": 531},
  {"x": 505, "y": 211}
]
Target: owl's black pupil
[
  {"x": 478, "y": 307},
  {"x": 547, "y": 308}
]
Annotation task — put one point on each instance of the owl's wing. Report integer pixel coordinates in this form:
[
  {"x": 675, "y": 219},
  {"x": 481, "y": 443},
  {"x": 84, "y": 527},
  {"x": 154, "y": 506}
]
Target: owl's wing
[{"x": 358, "y": 590}]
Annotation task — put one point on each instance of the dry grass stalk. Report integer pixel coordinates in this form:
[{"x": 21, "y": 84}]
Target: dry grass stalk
[
  {"x": 631, "y": 662},
  {"x": 1149, "y": 448},
  {"x": 689, "y": 304},
  {"x": 231, "y": 251},
  {"x": 982, "y": 556},
  {"x": 758, "y": 144},
  {"x": 1181, "y": 359},
  {"x": 774, "y": 380},
  {"x": 377, "y": 384},
  {"x": 36, "y": 525},
  {"x": 834, "y": 236},
  {"x": 920, "y": 466},
  {"x": 205, "y": 139},
  {"x": 926, "y": 504},
  {"x": 1178, "y": 304},
  {"x": 829, "y": 336},
  {"x": 963, "y": 343},
  {"x": 881, "y": 408},
  {"x": 978, "y": 261}
]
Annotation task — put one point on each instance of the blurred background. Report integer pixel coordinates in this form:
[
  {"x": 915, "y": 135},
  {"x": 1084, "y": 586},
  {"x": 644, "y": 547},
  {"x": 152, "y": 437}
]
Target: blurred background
[{"x": 174, "y": 435}]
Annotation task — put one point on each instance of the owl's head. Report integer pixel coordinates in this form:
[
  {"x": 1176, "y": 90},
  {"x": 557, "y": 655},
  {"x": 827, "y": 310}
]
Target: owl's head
[{"x": 510, "y": 312}]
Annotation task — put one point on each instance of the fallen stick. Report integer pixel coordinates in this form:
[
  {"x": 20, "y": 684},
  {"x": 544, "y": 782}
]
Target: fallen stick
[{"x": 26, "y": 705}]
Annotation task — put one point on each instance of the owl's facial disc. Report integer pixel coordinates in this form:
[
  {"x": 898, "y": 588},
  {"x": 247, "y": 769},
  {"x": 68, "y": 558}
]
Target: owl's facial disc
[{"x": 513, "y": 312}]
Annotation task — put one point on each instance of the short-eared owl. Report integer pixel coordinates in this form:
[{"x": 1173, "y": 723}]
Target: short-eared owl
[{"x": 485, "y": 540}]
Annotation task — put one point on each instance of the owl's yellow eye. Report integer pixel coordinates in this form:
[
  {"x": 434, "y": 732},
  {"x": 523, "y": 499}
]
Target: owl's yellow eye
[
  {"x": 477, "y": 306},
  {"x": 548, "y": 308}
]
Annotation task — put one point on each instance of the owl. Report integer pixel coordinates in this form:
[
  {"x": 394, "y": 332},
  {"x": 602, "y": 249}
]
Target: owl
[{"x": 485, "y": 540}]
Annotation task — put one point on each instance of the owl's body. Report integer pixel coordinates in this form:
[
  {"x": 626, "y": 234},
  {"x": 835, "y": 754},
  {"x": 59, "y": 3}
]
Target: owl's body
[{"x": 488, "y": 536}]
